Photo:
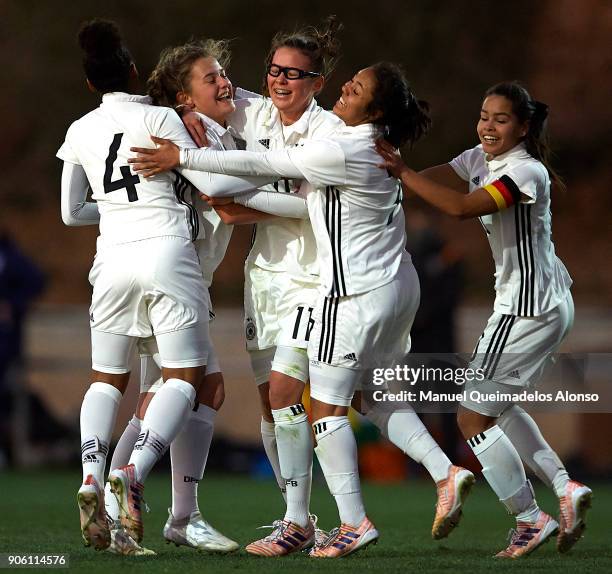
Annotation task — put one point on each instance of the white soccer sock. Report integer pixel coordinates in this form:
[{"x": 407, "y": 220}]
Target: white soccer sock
[
  {"x": 121, "y": 455},
  {"x": 406, "y": 431},
  {"x": 337, "y": 453},
  {"x": 268, "y": 438},
  {"x": 164, "y": 419},
  {"x": 533, "y": 449},
  {"x": 188, "y": 454},
  {"x": 294, "y": 442},
  {"x": 98, "y": 415},
  {"x": 125, "y": 445},
  {"x": 503, "y": 469}
]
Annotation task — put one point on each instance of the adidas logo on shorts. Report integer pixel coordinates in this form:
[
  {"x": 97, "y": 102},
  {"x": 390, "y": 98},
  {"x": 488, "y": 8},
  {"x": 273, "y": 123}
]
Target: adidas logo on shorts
[
  {"x": 476, "y": 180},
  {"x": 514, "y": 374},
  {"x": 350, "y": 357}
]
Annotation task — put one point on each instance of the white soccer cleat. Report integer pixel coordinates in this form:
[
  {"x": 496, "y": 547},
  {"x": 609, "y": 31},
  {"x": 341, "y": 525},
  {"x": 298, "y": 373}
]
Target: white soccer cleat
[
  {"x": 452, "y": 492},
  {"x": 122, "y": 543},
  {"x": 573, "y": 506},
  {"x": 94, "y": 523},
  {"x": 195, "y": 532},
  {"x": 529, "y": 535}
]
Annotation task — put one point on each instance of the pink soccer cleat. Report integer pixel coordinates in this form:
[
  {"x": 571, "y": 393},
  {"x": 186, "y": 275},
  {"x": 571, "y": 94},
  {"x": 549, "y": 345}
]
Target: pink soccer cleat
[
  {"x": 286, "y": 538},
  {"x": 94, "y": 524},
  {"x": 529, "y": 535},
  {"x": 345, "y": 540},
  {"x": 452, "y": 492},
  {"x": 573, "y": 506},
  {"x": 128, "y": 492}
]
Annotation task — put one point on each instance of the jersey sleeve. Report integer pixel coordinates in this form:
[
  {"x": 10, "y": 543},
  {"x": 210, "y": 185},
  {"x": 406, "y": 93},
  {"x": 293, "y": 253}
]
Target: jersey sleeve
[
  {"x": 220, "y": 185},
  {"x": 518, "y": 184},
  {"x": 167, "y": 124},
  {"x": 462, "y": 164},
  {"x": 76, "y": 210},
  {"x": 528, "y": 178},
  {"x": 322, "y": 162},
  {"x": 319, "y": 162},
  {"x": 281, "y": 204},
  {"x": 276, "y": 164},
  {"x": 65, "y": 152}
]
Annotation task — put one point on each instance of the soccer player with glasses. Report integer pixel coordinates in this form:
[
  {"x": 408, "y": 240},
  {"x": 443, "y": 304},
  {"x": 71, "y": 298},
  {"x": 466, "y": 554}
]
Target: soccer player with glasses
[{"x": 369, "y": 289}]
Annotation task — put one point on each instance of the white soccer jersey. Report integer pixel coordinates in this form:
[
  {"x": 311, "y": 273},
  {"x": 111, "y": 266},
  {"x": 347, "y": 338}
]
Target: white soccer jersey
[
  {"x": 529, "y": 278},
  {"x": 282, "y": 244},
  {"x": 214, "y": 236},
  {"x": 131, "y": 207},
  {"x": 355, "y": 207}
]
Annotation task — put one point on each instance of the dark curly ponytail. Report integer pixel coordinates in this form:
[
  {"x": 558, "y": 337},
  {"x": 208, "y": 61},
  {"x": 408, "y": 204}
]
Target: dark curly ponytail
[
  {"x": 106, "y": 61},
  {"x": 536, "y": 113},
  {"x": 403, "y": 117},
  {"x": 321, "y": 45}
]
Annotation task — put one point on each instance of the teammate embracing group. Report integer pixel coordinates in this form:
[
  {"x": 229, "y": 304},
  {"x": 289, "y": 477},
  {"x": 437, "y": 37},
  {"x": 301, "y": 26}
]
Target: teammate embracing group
[{"x": 330, "y": 291}]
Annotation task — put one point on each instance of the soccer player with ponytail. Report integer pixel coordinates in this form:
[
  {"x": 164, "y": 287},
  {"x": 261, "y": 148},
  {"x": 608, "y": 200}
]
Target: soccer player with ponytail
[{"x": 506, "y": 181}]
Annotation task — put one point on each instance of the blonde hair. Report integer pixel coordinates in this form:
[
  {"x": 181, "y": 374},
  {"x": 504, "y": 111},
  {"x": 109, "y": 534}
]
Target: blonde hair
[{"x": 173, "y": 71}]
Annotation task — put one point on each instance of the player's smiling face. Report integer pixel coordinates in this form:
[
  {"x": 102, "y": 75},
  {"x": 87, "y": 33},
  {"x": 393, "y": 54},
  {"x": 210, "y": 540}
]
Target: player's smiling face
[
  {"x": 357, "y": 94},
  {"x": 499, "y": 129},
  {"x": 209, "y": 91},
  {"x": 292, "y": 97}
]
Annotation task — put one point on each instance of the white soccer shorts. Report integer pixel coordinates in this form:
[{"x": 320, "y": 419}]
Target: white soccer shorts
[
  {"x": 354, "y": 334},
  {"x": 278, "y": 309},
  {"x": 153, "y": 286},
  {"x": 278, "y": 313},
  {"x": 513, "y": 352}
]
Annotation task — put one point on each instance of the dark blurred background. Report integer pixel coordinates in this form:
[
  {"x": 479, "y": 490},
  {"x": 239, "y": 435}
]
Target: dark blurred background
[{"x": 452, "y": 51}]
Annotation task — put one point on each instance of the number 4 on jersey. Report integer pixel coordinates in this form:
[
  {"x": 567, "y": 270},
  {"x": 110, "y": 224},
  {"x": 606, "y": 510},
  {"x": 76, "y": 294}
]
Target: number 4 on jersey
[{"x": 129, "y": 179}]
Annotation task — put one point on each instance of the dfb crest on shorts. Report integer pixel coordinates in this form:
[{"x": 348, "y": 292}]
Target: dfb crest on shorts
[{"x": 250, "y": 329}]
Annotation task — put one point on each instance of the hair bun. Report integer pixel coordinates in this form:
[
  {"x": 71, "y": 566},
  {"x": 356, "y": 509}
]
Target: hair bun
[{"x": 99, "y": 38}]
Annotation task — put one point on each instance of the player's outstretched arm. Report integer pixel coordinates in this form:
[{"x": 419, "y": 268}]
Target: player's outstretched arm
[{"x": 446, "y": 199}]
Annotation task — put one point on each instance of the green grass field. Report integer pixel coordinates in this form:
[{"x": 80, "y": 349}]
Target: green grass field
[{"x": 39, "y": 515}]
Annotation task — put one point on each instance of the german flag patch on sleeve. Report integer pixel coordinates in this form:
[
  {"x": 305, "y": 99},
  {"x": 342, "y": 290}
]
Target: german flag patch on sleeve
[{"x": 504, "y": 191}]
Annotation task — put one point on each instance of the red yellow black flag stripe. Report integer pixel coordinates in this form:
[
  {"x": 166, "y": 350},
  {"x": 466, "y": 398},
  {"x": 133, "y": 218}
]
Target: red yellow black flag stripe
[{"x": 504, "y": 191}]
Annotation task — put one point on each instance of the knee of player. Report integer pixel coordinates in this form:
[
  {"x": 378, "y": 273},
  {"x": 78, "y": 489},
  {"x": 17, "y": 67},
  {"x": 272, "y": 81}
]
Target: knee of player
[{"x": 471, "y": 423}]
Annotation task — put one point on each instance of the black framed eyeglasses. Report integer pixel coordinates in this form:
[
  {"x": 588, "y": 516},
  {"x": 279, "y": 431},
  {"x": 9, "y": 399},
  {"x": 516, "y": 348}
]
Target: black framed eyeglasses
[{"x": 290, "y": 73}]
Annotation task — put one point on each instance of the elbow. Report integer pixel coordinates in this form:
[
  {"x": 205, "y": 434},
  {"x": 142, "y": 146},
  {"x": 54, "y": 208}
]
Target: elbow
[
  {"x": 460, "y": 211},
  {"x": 68, "y": 219}
]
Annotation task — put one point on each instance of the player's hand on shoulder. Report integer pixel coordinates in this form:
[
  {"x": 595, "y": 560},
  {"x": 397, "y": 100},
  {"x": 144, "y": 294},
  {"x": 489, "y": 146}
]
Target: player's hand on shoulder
[
  {"x": 392, "y": 159},
  {"x": 196, "y": 128},
  {"x": 151, "y": 161}
]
